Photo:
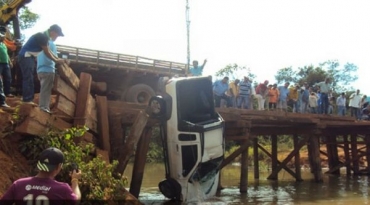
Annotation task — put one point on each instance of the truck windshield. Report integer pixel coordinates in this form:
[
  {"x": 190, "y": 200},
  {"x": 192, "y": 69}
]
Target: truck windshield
[{"x": 195, "y": 101}]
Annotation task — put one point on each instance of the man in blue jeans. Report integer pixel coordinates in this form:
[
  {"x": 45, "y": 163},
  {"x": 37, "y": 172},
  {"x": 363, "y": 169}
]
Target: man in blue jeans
[
  {"x": 325, "y": 89},
  {"x": 27, "y": 56}
]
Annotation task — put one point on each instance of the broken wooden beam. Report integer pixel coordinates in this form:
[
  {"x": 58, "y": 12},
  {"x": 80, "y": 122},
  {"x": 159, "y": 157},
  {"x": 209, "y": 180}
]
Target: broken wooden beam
[
  {"x": 36, "y": 122},
  {"x": 128, "y": 148},
  {"x": 103, "y": 123}
]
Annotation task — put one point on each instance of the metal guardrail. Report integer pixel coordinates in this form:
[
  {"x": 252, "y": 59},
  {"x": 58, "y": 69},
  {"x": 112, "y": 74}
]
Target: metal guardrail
[{"x": 121, "y": 61}]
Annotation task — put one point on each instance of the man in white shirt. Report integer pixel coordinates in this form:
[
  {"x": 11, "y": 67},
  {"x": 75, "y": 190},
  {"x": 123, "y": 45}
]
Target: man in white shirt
[{"x": 355, "y": 104}]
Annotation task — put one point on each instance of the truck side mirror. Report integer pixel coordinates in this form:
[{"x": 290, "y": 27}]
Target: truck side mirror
[{"x": 161, "y": 107}]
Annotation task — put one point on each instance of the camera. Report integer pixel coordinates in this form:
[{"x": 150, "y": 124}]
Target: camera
[{"x": 74, "y": 166}]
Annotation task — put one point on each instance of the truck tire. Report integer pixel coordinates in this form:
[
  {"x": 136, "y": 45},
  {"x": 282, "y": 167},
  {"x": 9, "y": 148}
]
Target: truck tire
[{"x": 139, "y": 93}]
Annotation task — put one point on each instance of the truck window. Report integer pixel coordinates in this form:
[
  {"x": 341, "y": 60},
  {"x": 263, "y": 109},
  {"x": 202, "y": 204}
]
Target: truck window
[{"x": 195, "y": 101}]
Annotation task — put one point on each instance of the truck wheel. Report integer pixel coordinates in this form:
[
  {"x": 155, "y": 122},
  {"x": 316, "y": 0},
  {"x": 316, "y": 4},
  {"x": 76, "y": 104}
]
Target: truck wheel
[
  {"x": 170, "y": 188},
  {"x": 139, "y": 93}
]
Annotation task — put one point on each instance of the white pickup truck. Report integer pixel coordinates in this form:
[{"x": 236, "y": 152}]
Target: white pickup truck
[{"x": 192, "y": 136}]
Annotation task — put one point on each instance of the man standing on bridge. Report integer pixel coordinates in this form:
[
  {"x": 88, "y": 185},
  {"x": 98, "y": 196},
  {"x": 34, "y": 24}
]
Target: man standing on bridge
[
  {"x": 197, "y": 70},
  {"x": 27, "y": 56},
  {"x": 325, "y": 89}
]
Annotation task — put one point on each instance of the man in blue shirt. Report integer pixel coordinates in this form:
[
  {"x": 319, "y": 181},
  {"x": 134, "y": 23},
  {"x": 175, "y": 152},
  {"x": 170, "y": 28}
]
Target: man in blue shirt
[
  {"x": 305, "y": 94},
  {"x": 197, "y": 70},
  {"x": 219, "y": 92},
  {"x": 27, "y": 56},
  {"x": 245, "y": 88},
  {"x": 46, "y": 74},
  {"x": 283, "y": 97}
]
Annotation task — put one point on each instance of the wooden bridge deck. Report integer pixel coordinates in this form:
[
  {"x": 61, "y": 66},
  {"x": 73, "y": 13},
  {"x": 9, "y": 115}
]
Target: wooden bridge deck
[{"x": 242, "y": 123}]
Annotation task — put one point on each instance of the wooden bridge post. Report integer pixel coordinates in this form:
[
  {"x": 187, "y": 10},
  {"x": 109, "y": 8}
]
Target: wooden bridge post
[
  {"x": 140, "y": 160},
  {"x": 367, "y": 141},
  {"x": 274, "y": 159},
  {"x": 354, "y": 151},
  {"x": 332, "y": 151},
  {"x": 316, "y": 160},
  {"x": 244, "y": 171},
  {"x": 255, "y": 158},
  {"x": 297, "y": 159},
  {"x": 347, "y": 155}
]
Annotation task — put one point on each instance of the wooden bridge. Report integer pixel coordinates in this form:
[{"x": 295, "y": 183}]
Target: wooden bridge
[
  {"x": 246, "y": 126},
  {"x": 311, "y": 130},
  {"x": 117, "y": 127}
]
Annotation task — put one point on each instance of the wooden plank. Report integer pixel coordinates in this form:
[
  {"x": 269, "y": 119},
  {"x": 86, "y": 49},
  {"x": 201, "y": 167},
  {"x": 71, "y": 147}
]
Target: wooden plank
[
  {"x": 103, "y": 123},
  {"x": 67, "y": 74},
  {"x": 82, "y": 100},
  {"x": 274, "y": 173},
  {"x": 62, "y": 88},
  {"x": 256, "y": 158},
  {"x": 99, "y": 87},
  {"x": 277, "y": 161},
  {"x": 297, "y": 160},
  {"x": 140, "y": 161},
  {"x": 64, "y": 107},
  {"x": 37, "y": 122},
  {"x": 92, "y": 115},
  {"x": 232, "y": 156},
  {"x": 135, "y": 133},
  {"x": 117, "y": 135},
  {"x": 244, "y": 170}
]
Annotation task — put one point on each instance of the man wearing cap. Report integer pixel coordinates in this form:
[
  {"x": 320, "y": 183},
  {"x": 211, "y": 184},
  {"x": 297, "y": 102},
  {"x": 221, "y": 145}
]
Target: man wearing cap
[
  {"x": 27, "y": 56},
  {"x": 46, "y": 74},
  {"x": 43, "y": 187}
]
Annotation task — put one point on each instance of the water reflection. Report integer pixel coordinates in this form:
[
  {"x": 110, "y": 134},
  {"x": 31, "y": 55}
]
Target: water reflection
[{"x": 334, "y": 190}]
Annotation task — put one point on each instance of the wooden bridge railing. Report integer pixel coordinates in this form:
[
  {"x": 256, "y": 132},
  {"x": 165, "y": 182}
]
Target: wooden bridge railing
[{"x": 121, "y": 61}]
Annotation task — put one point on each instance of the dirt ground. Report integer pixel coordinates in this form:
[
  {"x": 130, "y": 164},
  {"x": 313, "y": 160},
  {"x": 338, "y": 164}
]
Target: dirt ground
[{"x": 12, "y": 164}]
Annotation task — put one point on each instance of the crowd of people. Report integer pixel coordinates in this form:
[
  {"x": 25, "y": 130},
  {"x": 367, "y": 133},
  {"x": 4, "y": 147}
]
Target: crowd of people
[
  {"x": 317, "y": 98},
  {"x": 37, "y": 54}
]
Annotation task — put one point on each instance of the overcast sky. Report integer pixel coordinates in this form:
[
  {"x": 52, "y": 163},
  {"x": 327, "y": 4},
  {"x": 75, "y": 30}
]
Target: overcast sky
[{"x": 264, "y": 35}]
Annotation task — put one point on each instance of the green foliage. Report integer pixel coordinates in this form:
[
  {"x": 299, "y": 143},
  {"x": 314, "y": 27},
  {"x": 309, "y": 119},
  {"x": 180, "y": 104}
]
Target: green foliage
[
  {"x": 97, "y": 180},
  {"x": 27, "y": 18},
  {"x": 235, "y": 71},
  {"x": 286, "y": 75},
  {"x": 341, "y": 77}
]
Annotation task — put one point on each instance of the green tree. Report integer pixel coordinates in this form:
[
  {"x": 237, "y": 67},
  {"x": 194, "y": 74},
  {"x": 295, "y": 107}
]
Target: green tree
[
  {"x": 234, "y": 71},
  {"x": 311, "y": 75},
  {"x": 27, "y": 18},
  {"x": 286, "y": 75},
  {"x": 341, "y": 76}
]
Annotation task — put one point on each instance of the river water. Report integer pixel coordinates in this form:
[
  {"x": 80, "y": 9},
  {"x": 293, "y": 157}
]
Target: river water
[{"x": 352, "y": 190}]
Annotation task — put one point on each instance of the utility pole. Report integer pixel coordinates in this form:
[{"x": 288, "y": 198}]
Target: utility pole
[{"x": 188, "y": 31}]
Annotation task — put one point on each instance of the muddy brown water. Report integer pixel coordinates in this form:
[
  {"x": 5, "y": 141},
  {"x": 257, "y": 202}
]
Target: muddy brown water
[{"x": 353, "y": 190}]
